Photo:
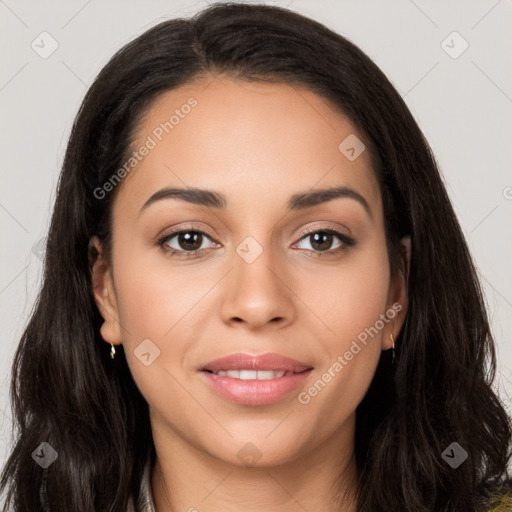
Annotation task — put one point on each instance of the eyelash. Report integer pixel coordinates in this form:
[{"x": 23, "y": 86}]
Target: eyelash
[{"x": 346, "y": 240}]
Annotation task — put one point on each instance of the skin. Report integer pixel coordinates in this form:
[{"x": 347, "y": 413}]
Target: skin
[{"x": 257, "y": 144}]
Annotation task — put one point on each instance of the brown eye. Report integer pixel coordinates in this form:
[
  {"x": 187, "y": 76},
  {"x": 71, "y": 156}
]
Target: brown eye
[
  {"x": 189, "y": 240},
  {"x": 321, "y": 241},
  {"x": 185, "y": 242}
]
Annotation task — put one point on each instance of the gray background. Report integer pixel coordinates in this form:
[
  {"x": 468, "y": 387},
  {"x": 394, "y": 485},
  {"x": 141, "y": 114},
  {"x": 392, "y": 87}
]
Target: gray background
[{"x": 463, "y": 106}]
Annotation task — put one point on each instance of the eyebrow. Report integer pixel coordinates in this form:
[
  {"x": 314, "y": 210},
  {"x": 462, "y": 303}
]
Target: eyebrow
[{"x": 299, "y": 201}]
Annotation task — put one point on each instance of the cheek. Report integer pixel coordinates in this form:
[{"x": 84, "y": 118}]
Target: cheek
[
  {"x": 153, "y": 303},
  {"x": 145, "y": 303},
  {"x": 351, "y": 304},
  {"x": 350, "y": 298},
  {"x": 153, "y": 293},
  {"x": 163, "y": 301}
]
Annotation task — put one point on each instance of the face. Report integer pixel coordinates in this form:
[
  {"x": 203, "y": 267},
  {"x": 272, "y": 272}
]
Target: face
[{"x": 258, "y": 266}]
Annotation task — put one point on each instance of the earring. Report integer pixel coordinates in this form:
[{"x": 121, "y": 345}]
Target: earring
[
  {"x": 393, "y": 349},
  {"x": 112, "y": 351}
]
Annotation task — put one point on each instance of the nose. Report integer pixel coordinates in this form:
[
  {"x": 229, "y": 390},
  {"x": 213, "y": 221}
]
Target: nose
[{"x": 258, "y": 293}]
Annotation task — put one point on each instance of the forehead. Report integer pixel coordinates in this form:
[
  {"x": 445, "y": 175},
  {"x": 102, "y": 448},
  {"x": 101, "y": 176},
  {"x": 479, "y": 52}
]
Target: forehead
[{"x": 249, "y": 139}]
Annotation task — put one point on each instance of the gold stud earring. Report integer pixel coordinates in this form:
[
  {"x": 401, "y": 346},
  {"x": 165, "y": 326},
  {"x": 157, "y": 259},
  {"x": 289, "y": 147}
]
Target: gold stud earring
[{"x": 112, "y": 351}]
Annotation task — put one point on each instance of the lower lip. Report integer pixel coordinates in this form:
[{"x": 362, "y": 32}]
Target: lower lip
[{"x": 254, "y": 392}]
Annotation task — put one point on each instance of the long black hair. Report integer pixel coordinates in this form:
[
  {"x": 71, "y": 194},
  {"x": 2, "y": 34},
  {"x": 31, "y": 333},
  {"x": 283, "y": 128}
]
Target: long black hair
[{"x": 67, "y": 392}]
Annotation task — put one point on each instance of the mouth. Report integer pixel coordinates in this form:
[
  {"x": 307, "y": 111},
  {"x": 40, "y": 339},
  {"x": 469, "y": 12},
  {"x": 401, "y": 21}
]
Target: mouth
[{"x": 255, "y": 380}]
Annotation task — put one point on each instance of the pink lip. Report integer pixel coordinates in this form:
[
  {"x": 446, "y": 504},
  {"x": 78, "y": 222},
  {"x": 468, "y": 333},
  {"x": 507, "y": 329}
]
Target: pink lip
[
  {"x": 269, "y": 361},
  {"x": 255, "y": 392}
]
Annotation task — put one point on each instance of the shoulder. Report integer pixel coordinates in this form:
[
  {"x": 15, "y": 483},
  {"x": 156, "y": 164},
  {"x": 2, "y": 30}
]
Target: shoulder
[
  {"x": 499, "y": 498},
  {"x": 501, "y": 503}
]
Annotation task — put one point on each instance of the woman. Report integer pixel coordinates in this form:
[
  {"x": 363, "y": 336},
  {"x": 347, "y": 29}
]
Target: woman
[{"x": 256, "y": 295}]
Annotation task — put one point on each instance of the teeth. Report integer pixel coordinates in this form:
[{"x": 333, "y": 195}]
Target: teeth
[{"x": 253, "y": 374}]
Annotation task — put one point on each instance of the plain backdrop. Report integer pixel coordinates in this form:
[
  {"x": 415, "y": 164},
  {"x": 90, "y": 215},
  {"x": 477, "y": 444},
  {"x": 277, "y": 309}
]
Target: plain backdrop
[{"x": 457, "y": 85}]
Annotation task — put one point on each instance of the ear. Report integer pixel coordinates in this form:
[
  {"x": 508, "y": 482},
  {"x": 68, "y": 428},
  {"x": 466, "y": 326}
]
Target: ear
[
  {"x": 397, "y": 298},
  {"x": 104, "y": 294}
]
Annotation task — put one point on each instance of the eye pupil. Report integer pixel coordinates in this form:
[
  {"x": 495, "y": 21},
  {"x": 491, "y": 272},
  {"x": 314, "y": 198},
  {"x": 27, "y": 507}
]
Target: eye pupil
[
  {"x": 322, "y": 236},
  {"x": 186, "y": 239}
]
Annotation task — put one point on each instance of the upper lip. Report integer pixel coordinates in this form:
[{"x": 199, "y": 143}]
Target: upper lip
[{"x": 269, "y": 361}]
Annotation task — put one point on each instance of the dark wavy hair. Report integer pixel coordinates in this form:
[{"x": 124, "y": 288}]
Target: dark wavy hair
[{"x": 66, "y": 390}]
